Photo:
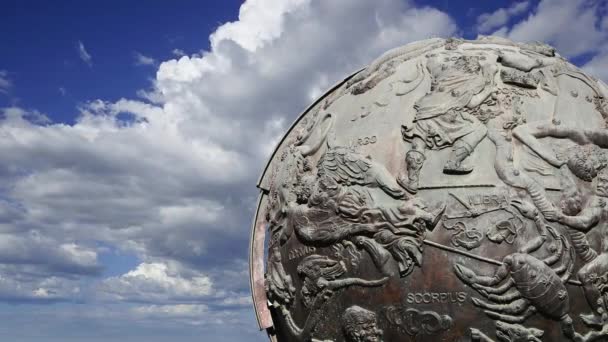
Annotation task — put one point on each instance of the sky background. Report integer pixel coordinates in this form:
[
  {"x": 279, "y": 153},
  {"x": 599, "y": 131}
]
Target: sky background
[{"x": 132, "y": 135}]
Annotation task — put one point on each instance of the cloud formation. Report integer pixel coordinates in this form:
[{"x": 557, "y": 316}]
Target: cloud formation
[
  {"x": 158, "y": 282},
  {"x": 143, "y": 60},
  {"x": 489, "y": 21},
  {"x": 577, "y": 28},
  {"x": 84, "y": 54},
  {"x": 178, "y": 52},
  {"x": 171, "y": 179},
  {"x": 5, "y": 83},
  {"x": 569, "y": 25},
  {"x": 598, "y": 65}
]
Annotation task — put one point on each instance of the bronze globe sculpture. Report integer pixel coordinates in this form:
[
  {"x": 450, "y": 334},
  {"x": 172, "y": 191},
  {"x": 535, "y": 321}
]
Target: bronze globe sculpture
[{"x": 453, "y": 190}]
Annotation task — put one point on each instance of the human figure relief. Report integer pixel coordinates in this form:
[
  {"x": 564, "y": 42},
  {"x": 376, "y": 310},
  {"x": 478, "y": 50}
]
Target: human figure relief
[
  {"x": 322, "y": 278},
  {"x": 458, "y": 83},
  {"x": 335, "y": 212},
  {"x": 589, "y": 140},
  {"x": 360, "y": 325},
  {"x": 285, "y": 195},
  {"x": 593, "y": 215}
]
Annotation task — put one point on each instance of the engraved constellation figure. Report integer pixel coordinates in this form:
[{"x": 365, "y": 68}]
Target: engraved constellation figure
[
  {"x": 312, "y": 320},
  {"x": 360, "y": 325},
  {"x": 507, "y": 332},
  {"x": 524, "y": 284},
  {"x": 348, "y": 167},
  {"x": 285, "y": 196},
  {"x": 529, "y": 134},
  {"x": 594, "y": 214},
  {"x": 321, "y": 272},
  {"x": 335, "y": 213},
  {"x": 322, "y": 278},
  {"x": 414, "y": 322},
  {"x": 441, "y": 119}
]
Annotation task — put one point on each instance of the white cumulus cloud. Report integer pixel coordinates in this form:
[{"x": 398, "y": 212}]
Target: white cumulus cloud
[
  {"x": 172, "y": 181},
  {"x": 157, "y": 282},
  {"x": 489, "y": 21},
  {"x": 598, "y": 65},
  {"x": 569, "y": 25}
]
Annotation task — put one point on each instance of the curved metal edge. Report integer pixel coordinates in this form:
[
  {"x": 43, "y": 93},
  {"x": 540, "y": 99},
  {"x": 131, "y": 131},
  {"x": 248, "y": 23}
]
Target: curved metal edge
[
  {"x": 256, "y": 269},
  {"x": 258, "y": 230},
  {"x": 300, "y": 117}
]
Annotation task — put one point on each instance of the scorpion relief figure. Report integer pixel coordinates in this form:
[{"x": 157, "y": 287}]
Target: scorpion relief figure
[
  {"x": 525, "y": 284},
  {"x": 458, "y": 82}
]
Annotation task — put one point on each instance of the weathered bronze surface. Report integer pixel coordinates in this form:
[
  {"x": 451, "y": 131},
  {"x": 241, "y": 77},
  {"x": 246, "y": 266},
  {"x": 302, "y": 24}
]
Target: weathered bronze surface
[{"x": 451, "y": 191}]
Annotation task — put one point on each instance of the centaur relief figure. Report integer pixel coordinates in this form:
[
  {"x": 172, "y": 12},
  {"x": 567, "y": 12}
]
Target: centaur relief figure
[{"x": 458, "y": 83}]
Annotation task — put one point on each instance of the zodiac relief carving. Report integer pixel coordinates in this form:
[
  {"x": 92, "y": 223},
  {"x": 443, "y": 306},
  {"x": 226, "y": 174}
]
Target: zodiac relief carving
[
  {"x": 336, "y": 210},
  {"x": 464, "y": 236},
  {"x": 457, "y": 82},
  {"x": 335, "y": 203},
  {"x": 505, "y": 230},
  {"x": 583, "y": 159},
  {"x": 338, "y": 205},
  {"x": 347, "y": 167},
  {"x": 322, "y": 278},
  {"x": 284, "y": 198},
  {"x": 403, "y": 87},
  {"x": 365, "y": 140},
  {"x": 601, "y": 105},
  {"x": 519, "y": 78},
  {"x": 360, "y": 325},
  {"x": 479, "y": 204},
  {"x": 279, "y": 285},
  {"x": 323, "y": 273},
  {"x": 414, "y": 322},
  {"x": 589, "y": 217},
  {"x": 507, "y": 332},
  {"x": 522, "y": 246},
  {"x": 525, "y": 284}
]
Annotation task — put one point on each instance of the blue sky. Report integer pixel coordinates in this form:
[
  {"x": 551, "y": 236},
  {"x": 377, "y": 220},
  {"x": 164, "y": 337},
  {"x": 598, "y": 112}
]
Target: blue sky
[
  {"x": 39, "y": 40},
  {"x": 130, "y": 143}
]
